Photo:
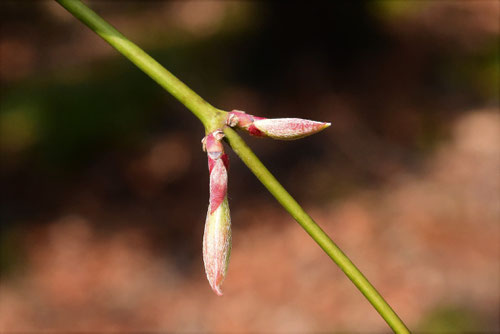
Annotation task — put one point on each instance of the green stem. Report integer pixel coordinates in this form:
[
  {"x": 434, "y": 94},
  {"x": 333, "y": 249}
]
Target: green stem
[
  {"x": 213, "y": 118},
  {"x": 311, "y": 227}
]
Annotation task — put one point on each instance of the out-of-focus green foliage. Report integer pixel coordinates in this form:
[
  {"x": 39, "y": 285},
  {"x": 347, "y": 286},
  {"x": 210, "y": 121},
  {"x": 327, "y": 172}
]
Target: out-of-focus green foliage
[
  {"x": 451, "y": 319},
  {"x": 66, "y": 121}
]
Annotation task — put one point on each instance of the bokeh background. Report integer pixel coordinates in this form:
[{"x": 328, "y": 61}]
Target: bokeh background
[{"x": 105, "y": 187}]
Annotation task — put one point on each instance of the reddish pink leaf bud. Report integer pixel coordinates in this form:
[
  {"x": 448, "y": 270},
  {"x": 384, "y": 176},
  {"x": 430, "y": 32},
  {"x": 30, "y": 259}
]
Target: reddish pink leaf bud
[
  {"x": 277, "y": 128},
  {"x": 217, "y": 235},
  {"x": 288, "y": 128},
  {"x": 217, "y": 245}
]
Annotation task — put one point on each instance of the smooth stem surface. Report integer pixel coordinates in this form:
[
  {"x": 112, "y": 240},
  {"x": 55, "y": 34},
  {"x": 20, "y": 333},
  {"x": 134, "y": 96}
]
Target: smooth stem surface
[{"x": 213, "y": 118}]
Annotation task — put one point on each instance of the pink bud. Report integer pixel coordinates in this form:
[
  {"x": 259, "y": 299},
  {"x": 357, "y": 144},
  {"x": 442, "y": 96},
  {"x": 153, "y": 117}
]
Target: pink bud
[
  {"x": 217, "y": 236},
  {"x": 277, "y": 128},
  {"x": 217, "y": 245},
  {"x": 288, "y": 128}
]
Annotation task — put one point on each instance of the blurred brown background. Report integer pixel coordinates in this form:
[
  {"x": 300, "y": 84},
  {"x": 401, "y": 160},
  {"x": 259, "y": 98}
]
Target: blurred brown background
[{"x": 101, "y": 228}]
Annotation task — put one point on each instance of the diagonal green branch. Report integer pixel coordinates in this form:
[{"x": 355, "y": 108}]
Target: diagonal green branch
[
  {"x": 213, "y": 118},
  {"x": 313, "y": 229}
]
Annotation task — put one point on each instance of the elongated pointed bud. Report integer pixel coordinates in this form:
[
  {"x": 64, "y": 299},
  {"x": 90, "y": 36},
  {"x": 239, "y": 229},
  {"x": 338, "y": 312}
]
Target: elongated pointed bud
[
  {"x": 217, "y": 245},
  {"x": 217, "y": 235},
  {"x": 277, "y": 128},
  {"x": 289, "y": 128}
]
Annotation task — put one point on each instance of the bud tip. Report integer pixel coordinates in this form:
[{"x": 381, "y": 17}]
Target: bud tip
[{"x": 217, "y": 290}]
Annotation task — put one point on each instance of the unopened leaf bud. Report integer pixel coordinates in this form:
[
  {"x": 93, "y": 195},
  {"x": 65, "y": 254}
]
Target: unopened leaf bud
[
  {"x": 277, "y": 128},
  {"x": 217, "y": 245},
  {"x": 289, "y": 128},
  {"x": 217, "y": 235}
]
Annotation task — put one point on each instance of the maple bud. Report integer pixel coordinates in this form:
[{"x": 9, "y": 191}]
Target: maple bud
[
  {"x": 217, "y": 235},
  {"x": 217, "y": 245},
  {"x": 277, "y": 128}
]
